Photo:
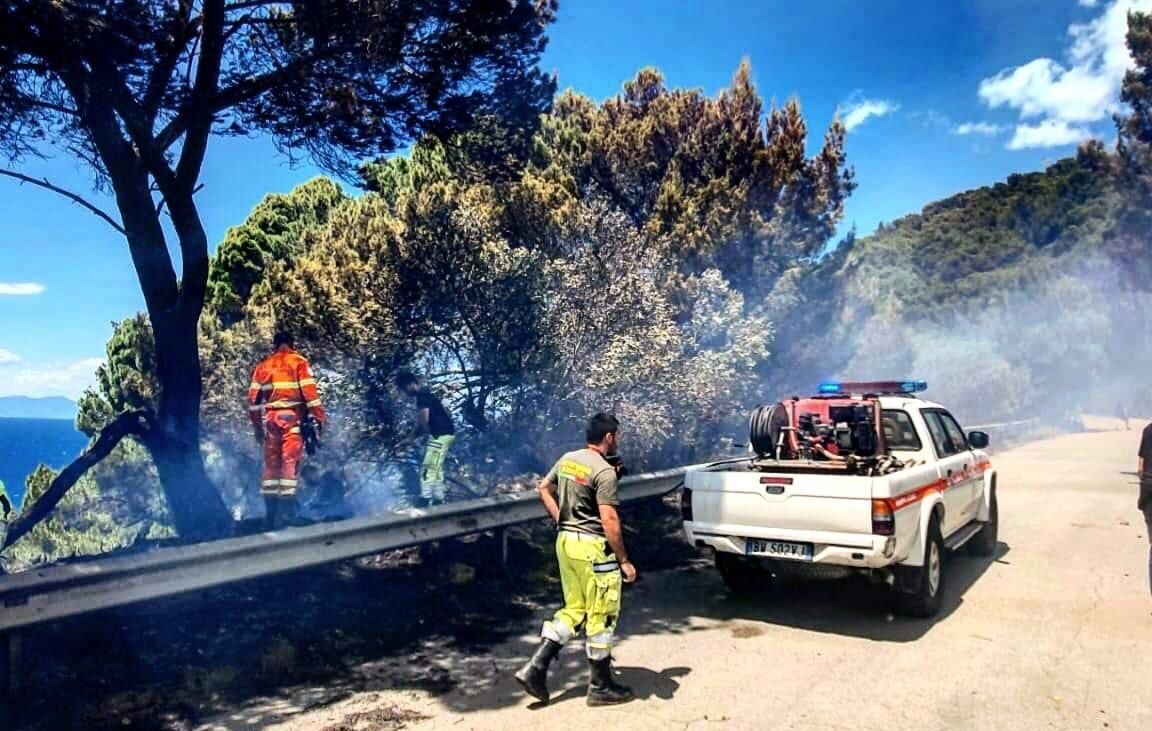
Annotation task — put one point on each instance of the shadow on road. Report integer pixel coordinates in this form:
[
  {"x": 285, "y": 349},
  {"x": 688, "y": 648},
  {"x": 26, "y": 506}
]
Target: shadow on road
[
  {"x": 850, "y": 607},
  {"x": 645, "y": 683},
  {"x": 691, "y": 599}
]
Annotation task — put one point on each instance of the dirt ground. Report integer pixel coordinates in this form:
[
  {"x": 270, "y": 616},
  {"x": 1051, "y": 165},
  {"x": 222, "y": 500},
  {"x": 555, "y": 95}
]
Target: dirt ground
[{"x": 1054, "y": 633}]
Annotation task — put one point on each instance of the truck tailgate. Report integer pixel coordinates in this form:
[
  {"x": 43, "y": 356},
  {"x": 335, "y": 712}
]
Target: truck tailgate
[{"x": 731, "y": 499}]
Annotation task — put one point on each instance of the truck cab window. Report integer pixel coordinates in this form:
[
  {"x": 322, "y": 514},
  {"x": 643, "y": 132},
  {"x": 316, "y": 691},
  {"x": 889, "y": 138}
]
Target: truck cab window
[
  {"x": 899, "y": 432},
  {"x": 939, "y": 432},
  {"x": 955, "y": 433}
]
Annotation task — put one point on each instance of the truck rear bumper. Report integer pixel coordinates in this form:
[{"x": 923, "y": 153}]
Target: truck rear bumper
[{"x": 862, "y": 551}]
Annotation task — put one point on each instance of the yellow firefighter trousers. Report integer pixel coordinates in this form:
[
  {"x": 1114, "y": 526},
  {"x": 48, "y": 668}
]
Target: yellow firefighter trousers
[
  {"x": 432, "y": 484},
  {"x": 592, "y": 582}
]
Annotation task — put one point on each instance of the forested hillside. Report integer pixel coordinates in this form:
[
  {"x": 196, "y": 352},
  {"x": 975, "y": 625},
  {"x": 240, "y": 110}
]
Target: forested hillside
[{"x": 1008, "y": 299}]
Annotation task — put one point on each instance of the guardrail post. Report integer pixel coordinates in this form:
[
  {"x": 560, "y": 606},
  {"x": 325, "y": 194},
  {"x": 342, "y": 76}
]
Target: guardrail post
[{"x": 9, "y": 663}]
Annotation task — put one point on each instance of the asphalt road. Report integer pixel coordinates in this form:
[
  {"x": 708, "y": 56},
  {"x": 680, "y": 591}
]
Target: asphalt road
[{"x": 1055, "y": 633}]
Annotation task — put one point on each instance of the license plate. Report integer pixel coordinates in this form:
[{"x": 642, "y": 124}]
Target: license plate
[{"x": 778, "y": 549}]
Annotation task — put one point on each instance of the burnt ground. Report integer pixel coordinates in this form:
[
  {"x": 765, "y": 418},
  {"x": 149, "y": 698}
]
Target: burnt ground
[{"x": 172, "y": 663}]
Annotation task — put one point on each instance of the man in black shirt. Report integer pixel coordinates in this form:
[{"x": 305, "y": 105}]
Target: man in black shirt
[
  {"x": 1144, "y": 503},
  {"x": 433, "y": 420}
]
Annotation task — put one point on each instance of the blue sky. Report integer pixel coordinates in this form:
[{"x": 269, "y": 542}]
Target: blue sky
[{"x": 940, "y": 97}]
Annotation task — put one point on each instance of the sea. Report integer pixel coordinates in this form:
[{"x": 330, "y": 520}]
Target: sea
[{"x": 25, "y": 443}]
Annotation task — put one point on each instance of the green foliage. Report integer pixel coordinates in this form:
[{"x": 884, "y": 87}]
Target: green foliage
[
  {"x": 274, "y": 231},
  {"x": 115, "y": 505},
  {"x": 126, "y": 381},
  {"x": 965, "y": 245},
  {"x": 339, "y": 80},
  {"x": 1131, "y": 243},
  {"x": 400, "y": 176},
  {"x": 728, "y": 188}
]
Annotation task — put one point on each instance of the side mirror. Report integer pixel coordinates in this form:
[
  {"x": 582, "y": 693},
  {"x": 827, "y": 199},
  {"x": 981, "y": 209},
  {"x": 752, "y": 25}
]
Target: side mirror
[{"x": 978, "y": 440}]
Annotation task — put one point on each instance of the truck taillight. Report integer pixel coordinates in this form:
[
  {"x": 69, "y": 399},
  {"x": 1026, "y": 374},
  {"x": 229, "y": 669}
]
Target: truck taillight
[
  {"x": 883, "y": 521},
  {"x": 686, "y": 504}
]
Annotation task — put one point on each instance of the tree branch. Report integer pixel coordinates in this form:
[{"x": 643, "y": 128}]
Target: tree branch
[
  {"x": 131, "y": 423},
  {"x": 136, "y": 122},
  {"x": 232, "y": 7},
  {"x": 202, "y": 104},
  {"x": 75, "y": 198},
  {"x": 163, "y": 200},
  {"x": 166, "y": 65},
  {"x": 238, "y": 93},
  {"x": 40, "y": 104}
]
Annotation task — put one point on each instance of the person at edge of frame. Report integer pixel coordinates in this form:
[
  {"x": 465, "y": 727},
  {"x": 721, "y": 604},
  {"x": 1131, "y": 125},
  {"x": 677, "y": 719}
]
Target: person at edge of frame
[{"x": 1144, "y": 501}]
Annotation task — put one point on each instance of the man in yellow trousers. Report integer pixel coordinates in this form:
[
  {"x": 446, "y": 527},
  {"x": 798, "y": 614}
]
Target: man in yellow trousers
[{"x": 580, "y": 494}]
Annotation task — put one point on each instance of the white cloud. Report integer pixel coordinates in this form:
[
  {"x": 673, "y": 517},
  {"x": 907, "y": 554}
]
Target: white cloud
[
  {"x": 933, "y": 118},
  {"x": 977, "y": 128},
  {"x": 1063, "y": 96},
  {"x": 48, "y": 379},
  {"x": 18, "y": 289},
  {"x": 1089, "y": 3},
  {"x": 859, "y": 110},
  {"x": 1049, "y": 133},
  {"x": 7, "y": 356}
]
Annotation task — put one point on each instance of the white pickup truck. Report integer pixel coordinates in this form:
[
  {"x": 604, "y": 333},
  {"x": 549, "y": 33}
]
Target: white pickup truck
[{"x": 860, "y": 478}]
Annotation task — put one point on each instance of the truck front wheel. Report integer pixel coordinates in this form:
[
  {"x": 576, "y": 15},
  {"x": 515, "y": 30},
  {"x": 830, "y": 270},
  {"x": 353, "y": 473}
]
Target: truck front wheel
[
  {"x": 742, "y": 576},
  {"x": 923, "y": 586}
]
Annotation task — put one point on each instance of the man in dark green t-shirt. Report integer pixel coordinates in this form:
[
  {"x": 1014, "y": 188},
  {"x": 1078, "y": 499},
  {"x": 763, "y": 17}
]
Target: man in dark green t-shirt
[
  {"x": 580, "y": 495},
  {"x": 433, "y": 421}
]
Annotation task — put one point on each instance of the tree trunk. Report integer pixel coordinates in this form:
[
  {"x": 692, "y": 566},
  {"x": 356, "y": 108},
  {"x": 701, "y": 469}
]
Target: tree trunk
[
  {"x": 173, "y": 304},
  {"x": 198, "y": 512}
]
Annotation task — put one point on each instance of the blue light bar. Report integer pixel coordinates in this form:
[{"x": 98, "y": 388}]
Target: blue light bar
[{"x": 831, "y": 388}]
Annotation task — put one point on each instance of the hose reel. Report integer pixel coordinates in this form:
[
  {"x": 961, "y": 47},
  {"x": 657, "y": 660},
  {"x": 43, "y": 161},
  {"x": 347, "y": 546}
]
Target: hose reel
[{"x": 767, "y": 427}]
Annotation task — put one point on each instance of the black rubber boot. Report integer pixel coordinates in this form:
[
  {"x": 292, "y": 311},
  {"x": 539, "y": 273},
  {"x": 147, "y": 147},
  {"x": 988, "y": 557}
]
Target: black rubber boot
[
  {"x": 271, "y": 513},
  {"x": 534, "y": 675},
  {"x": 603, "y": 690},
  {"x": 290, "y": 514}
]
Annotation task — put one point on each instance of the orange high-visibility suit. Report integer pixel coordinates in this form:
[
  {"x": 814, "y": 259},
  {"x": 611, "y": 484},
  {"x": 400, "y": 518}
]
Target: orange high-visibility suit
[{"x": 282, "y": 392}]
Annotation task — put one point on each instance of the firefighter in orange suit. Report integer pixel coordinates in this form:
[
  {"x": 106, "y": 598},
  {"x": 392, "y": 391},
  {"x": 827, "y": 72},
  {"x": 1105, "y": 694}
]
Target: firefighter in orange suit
[{"x": 282, "y": 395}]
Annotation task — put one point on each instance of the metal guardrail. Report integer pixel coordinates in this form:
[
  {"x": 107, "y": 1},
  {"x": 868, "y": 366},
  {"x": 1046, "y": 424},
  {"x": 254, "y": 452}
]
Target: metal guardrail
[
  {"x": 55, "y": 592},
  {"x": 1002, "y": 425},
  {"x": 1008, "y": 433}
]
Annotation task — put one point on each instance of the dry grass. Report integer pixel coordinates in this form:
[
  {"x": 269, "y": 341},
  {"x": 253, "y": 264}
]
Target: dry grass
[
  {"x": 385, "y": 718},
  {"x": 746, "y": 631}
]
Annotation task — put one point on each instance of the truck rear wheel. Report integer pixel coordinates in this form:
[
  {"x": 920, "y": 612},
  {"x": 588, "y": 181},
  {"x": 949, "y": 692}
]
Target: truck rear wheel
[
  {"x": 742, "y": 576},
  {"x": 924, "y": 585},
  {"x": 984, "y": 543}
]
